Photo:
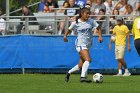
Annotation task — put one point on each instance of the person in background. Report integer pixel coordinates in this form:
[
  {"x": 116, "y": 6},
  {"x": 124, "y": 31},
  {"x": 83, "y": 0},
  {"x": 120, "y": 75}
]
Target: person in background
[
  {"x": 2, "y": 26},
  {"x": 26, "y": 12},
  {"x": 115, "y": 14},
  {"x": 71, "y": 15},
  {"x": 89, "y": 3},
  {"x": 101, "y": 22},
  {"x": 81, "y": 3},
  {"x": 128, "y": 9},
  {"x": 65, "y": 5},
  {"x": 109, "y": 6},
  {"x": 121, "y": 5},
  {"x": 41, "y": 5},
  {"x": 121, "y": 33},
  {"x": 52, "y": 4},
  {"x": 137, "y": 9},
  {"x": 62, "y": 23},
  {"x": 99, "y": 5},
  {"x": 46, "y": 9},
  {"x": 135, "y": 4}
]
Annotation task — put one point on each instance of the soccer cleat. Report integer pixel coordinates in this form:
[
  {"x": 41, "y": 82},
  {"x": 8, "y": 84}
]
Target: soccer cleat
[
  {"x": 127, "y": 74},
  {"x": 118, "y": 74},
  {"x": 67, "y": 77},
  {"x": 84, "y": 79}
]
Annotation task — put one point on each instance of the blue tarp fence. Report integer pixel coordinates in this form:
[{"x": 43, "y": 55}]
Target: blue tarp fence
[{"x": 25, "y": 51}]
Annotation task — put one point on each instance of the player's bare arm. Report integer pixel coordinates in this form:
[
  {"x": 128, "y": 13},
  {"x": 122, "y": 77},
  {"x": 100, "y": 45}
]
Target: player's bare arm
[
  {"x": 100, "y": 35},
  {"x": 65, "y": 35}
]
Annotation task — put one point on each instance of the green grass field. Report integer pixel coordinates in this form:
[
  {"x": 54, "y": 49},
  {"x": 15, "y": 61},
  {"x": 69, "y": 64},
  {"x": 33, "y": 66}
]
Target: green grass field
[{"x": 54, "y": 83}]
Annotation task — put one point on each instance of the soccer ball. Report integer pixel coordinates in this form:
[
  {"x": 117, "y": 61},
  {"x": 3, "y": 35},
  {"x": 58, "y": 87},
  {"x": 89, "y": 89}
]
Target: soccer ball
[
  {"x": 98, "y": 78},
  {"x": 113, "y": 38}
]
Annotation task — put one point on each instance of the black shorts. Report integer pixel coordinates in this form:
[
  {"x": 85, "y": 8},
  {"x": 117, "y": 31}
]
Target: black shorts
[{"x": 137, "y": 45}]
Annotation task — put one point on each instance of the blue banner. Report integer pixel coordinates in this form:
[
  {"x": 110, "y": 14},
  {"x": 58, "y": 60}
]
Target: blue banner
[{"x": 24, "y": 51}]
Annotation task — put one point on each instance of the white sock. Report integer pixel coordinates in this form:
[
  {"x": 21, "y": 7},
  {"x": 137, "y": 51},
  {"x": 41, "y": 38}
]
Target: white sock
[
  {"x": 76, "y": 68},
  {"x": 120, "y": 71},
  {"x": 126, "y": 70},
  {"x": 60, "y": 32},
  {"x": 85, "y": 68}
]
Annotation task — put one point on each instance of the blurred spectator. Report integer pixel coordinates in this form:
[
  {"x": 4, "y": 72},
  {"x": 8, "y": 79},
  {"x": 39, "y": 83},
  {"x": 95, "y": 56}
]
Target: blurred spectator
[
  {"x": 52, "y": 4},
  {"x": 71, "y": 15},
  {"x": 71, "y": 12},
  {"x": 137, "y": 6},
  {"x": 102, "y": 23},
  {"x": 109, "y": 6},
  {"x": 121, "y": 5},
  {"x": 89, "y": 7},
  {"x": 113, "y": 19},
  {"x": 115, "y": 12},
  {"x": 134, "y": 3},
  {"x": 26, "y": 12},
  {"x": 129, "y": 12},
  {"x": 89, "y": 2},
  {"x": 47, "y": 9},
  {"x": 41, "y": 5},
  {"x": 81, "y": 3},
  {"x": 129, "y": 17},
  {"x": 65, "y": 5},
  {"x": 136, "y": 12},
  {"x": 99, "y": 5},
  {"x": 2, "y": 26}
]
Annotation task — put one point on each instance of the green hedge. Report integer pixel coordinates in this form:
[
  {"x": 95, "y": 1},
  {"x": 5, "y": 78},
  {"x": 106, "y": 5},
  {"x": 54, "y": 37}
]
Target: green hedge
[{"x": 16, "y": 4}]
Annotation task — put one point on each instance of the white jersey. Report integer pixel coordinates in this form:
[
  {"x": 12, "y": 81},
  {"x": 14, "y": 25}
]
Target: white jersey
[{"x": 84, "y": 31}]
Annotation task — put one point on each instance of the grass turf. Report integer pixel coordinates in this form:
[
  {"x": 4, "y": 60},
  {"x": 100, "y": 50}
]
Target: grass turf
[{"x": 54, "y": 83}]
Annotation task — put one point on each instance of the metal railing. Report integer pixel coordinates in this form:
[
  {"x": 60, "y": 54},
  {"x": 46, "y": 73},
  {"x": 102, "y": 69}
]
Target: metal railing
[{"x": 52, "y": 20}]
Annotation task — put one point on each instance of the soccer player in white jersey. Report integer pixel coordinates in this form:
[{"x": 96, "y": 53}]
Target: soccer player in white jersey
[{"x": 84, "y": 27}]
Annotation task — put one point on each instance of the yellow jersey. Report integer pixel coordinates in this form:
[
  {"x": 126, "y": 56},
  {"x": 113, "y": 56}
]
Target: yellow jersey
[
  {"x": 121, "y": 33},
  {"x": 135, "y": 30}
]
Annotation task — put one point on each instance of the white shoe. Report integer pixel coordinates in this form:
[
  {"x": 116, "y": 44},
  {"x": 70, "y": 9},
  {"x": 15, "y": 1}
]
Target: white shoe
[
  {"x": 127, "y": 74},
  {"x": 118, "y": 74}
]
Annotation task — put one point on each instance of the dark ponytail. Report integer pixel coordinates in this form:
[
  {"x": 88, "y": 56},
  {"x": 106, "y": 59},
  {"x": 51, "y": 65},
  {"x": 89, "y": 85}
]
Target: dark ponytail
[{"x": 81, "y": 10}]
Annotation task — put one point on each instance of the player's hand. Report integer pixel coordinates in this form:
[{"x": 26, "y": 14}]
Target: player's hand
[
  {"x": 129, "y": 49},
  {"x": 100, "y": 39},
  {"x": 65, "y": 39}
]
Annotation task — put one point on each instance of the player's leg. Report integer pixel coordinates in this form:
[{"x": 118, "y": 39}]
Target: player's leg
[
  {"x": 117, "y": 54},
  {"x": 137, "y": 46},
  {"x": 119, "y": 67},
  {"x": 62, "y": 25},
  {"x": 121, "y": 53},
  {"x": 86, "y": 56},
  {"x": 74, "y": 69},
  {"x": 126, "y": 73}
]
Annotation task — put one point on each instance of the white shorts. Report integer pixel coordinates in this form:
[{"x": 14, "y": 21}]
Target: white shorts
[
  {"x": 119, "y": 52},
  {"x": 79, "y": 48}
]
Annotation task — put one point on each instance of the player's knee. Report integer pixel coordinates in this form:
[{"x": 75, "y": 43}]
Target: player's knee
[
  {"x": 120, "y": 59},
  {"x": 88, "y": 59}
]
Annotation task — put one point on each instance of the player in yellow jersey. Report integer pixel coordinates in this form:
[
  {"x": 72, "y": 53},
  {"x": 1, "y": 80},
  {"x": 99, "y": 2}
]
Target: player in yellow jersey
[
  {"x": 136, "y": 32},
  {"x": 121, "y": 32}
]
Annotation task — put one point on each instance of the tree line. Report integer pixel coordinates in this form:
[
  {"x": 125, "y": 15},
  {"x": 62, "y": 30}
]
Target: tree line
[{"x": 16, "y": 4}]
